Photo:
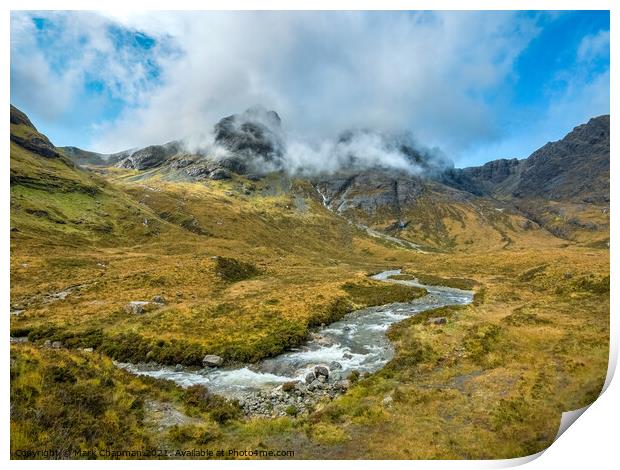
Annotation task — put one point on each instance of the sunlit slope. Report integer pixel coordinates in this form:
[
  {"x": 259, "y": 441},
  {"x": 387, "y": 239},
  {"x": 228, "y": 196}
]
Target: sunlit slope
[
  {"x": 84, "y": 245},
  {"x": 429, "y": 213},
  {"x": 55, "y": 202}
]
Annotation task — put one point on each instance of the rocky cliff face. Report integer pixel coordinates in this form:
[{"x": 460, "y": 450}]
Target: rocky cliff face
[
  {"x": 431, "y": 202},
  {"x": 253, "y": 134},
  {"x": 370, "y": 192},
  {"x": 575, "y": 168},
  {"x": 150, "y": 157}
]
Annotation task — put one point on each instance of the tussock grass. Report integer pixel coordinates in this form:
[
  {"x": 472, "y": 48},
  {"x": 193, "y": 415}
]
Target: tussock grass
[{"x": 246, "y": 274}]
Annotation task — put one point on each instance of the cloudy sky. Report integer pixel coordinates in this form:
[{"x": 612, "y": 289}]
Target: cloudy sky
[{"x": 478, "y": 85}]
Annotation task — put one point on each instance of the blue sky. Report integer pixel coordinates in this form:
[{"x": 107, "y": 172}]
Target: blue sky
[{"x": 478, "y": 85}]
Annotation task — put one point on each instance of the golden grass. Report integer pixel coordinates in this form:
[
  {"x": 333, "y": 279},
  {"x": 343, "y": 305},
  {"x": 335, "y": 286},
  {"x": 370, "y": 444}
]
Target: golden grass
[{"x": 490, "y": 383}]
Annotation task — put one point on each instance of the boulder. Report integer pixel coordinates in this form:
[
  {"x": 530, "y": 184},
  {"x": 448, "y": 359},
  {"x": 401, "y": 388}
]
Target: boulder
[
  {"x": 57, "y": 344},
  {"x": 316, "y": 385},
  {"x": 88, "y": 350},
  {"x": 342, "y": 385},
  {"x": 220, "y": 174},
  {"x": 321, "y": 370},
  {"x": 211, "y": 360},
  {"x": 137, "y": 307},
  {"x": 310, "y": 376},
  {"x": 334, "y": 365},
  {"x": 236, "y": 165},
  {"x": 159, "y": 299},
  {"x": 178, "y": 368},
  {"x": 19, "y": 339},
  {"x": 347, "y": 356},
  {"x": 199, "y": 171},
  {"x": 47, "y": 343},
  {"x": 438, "y": 320}
]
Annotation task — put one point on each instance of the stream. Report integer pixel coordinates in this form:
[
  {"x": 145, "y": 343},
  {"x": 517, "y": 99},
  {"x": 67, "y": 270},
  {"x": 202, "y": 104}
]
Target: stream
[{"x": 356, "y": 342}]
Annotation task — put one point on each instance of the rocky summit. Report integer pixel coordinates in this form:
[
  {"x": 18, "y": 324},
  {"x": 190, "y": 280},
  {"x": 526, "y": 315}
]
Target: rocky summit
[{"x": 255, "y": 133}]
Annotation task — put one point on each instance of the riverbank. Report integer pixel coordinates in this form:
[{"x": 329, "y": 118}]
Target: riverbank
[
  {"x": 288, "y": 383},
  {"x": 491, "y": 382}
]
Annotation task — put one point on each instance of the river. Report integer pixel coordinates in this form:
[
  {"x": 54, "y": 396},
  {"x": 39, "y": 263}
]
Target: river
[{"x": 356, "y": 342}]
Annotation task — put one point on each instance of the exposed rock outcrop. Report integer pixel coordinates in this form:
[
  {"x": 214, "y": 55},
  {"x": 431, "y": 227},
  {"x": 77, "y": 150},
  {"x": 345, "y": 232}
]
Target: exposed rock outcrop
[
  {"x": 253, "y": 133},
  {"x": 150, "y": 157}
]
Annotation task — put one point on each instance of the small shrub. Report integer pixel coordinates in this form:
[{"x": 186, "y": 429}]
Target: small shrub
[
  {"x": 521, "y": 318},
  {"x": 197, "y": 396},
  {"x": 329, "y": 434},
  {"x": 59, "y": 374},
  {"x": 232, "y": 270},
  {"x": 530, "y": 274},
  {"x": 288, "y": 386},
  {"x": 354, "y": 376},
  {"x": 481, "y": 340},
  {"x": 222, "y": 410}
]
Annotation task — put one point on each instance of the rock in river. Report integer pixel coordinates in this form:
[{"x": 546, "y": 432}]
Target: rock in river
[
  {"x": 321, "y": 371},
  {"x": 211, "y": 360}
]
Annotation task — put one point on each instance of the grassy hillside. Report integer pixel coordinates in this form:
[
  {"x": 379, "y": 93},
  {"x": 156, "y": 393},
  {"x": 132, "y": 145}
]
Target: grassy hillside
[
  {"x": 93, "y": 243},
  {"x": 246, "y": 269}
]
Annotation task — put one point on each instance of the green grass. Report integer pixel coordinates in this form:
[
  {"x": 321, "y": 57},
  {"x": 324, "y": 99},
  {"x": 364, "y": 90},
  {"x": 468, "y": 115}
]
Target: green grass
[
  {"x": 69, "y": 403},
  {"x": 246, "y": 274}
]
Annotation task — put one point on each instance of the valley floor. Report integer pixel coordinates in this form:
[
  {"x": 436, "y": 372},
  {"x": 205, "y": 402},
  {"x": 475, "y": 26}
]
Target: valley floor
[
  {"x": 490, "y": 383},
  {"x": 115, "y": 264}
]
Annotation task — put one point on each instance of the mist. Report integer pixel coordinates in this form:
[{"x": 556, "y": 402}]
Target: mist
[
  {"x": 324, "y": 72},
  {"x": 108, "y": 81},
  {"x": 258, "y": 139}
]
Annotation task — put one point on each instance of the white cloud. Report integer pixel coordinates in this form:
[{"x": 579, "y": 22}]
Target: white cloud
[
  {"x": 593, "y": 46},
  {"x": 50, "y": 67},
  {"x": 325, "y": 72}
]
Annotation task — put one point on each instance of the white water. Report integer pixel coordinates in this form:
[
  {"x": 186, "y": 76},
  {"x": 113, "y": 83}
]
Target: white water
[{"x": 356, "y": 342}]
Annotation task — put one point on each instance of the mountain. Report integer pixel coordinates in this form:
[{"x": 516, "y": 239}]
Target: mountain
[
  {"x": 26, "y": 136},
  {"x": 86, "y": 158},
  {"x": 575, "y": 168},
  {"x": 54, "y": 200},
  {"x": 167, "y": 255},
  {"x": 562, "y": 188}
]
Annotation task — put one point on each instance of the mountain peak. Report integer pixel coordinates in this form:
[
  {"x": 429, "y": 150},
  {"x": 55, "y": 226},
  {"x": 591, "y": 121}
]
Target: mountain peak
[
  {"x": 24, "y": 133},
  {"x": 254, "y": 133}
]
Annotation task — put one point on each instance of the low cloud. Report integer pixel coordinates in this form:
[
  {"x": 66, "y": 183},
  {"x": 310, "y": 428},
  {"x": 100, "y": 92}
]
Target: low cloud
[
  {"x": 328, "y": 71},
  {"x": 442, "y": 78},
  {"x": 257, "y": 139}
]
